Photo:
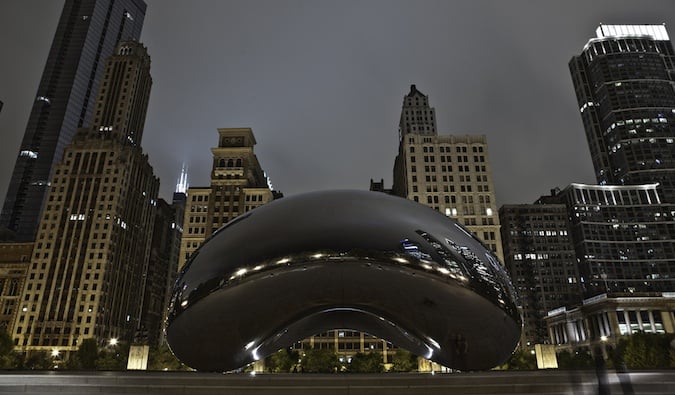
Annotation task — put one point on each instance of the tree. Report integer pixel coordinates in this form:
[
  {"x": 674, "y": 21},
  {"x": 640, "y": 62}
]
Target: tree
[
  {"x": 39, "y": 361},
  {"x": 161, "y": 358},
  {"x": 113, "y": 357},
  {"x": 520, "y": 360},
  {"x": 370, "y": 362},
  {"x": 319, "y": 361},
  {"x": 404, "y": 361},
  {"x": 8, "y": 358},
  {"x": 283, "y": 360},
  {"x": 579, "y": 359},
  {"x": 86, "y": 355},
  {"x": 645, "y": 350}
]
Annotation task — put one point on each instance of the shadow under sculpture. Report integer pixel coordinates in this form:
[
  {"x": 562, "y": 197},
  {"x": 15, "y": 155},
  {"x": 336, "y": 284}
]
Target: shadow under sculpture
[{"x": 357, "y": 260}]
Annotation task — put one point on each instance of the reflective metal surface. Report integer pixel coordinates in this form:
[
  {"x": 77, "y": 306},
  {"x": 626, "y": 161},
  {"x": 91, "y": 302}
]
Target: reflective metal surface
[{"x": 343, "y": 259}]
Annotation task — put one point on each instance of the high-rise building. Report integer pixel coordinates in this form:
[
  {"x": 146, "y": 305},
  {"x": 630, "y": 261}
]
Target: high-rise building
[
  {"x": 624, "y": 237},
  {"x": 87, "y": 34},
  {"x": 624, "y": 86},
  {"x": 91, "y": 253},
  {"x": 540, "y": 258},
  {"x": 238, "y": 185},
  {"x": 448, "y": 173}
]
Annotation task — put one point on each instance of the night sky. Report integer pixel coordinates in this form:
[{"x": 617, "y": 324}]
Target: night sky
[{"x": 321, "y": 83}]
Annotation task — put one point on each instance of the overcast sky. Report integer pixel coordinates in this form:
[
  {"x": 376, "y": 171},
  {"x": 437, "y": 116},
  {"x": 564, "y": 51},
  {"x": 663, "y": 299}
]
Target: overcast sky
[{"x": 321, "y": 83}]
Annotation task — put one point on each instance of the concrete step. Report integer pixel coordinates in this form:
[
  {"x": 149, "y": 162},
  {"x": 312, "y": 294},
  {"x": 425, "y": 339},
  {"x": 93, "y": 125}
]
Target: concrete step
[{"x": 552, "y": 382}]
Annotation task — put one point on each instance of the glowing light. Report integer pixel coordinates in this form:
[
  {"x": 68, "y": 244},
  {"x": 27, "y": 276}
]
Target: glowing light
[
  {"x": 182, "y": 184},
  {"x": 255, "y": 269},
  {"x": 400, "y": 260},
  {"x": 443, "y": 270},
  {"x": 249, "y": 345},
  {"x": 29, "y": 154},
  {"x": 55, "y": 352},
  {"x": 603, "y": 338},
  {"x": 317, "y": 256},
  {"x": 283, "y": 260},
  {"x": 240, "y": 272},
  {"x": 184, "y": 303},
  {"x": 113, "y": 341}
]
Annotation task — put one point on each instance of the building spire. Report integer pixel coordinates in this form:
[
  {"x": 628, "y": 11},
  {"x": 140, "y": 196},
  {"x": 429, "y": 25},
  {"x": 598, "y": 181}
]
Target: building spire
[{"x": 182, "y": 184}]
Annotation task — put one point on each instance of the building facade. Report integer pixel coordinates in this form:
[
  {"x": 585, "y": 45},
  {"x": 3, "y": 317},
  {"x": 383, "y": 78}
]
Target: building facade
[
  {"x": 623, "y": 81},
  {"x": 450, "y": 174},
  {"x": 600, "y": 322},
  {"x": 540, "y": 258},
  {"x": 87, "y": 33},
  {"x": 86, "y": 274},
  {"x": 14, "y": 263},
  {"x": 238, "y": 185},
  {"x": 624, "y": 238}
]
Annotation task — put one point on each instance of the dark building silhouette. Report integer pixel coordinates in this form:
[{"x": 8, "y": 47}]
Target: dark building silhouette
[
  {"x": 161, "y": 270},
  {"x": 540, "y": 258},
  {"x": 89, "y": 265},
  {"x": 87, "y": 34},
  {"x": 624, "y": 86}
]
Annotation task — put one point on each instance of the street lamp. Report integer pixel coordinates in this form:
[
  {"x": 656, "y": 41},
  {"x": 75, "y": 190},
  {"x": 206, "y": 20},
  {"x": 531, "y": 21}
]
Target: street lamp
[{"x": 113, "y": 341}]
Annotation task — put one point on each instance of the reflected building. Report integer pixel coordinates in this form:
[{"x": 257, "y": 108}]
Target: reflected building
[
  {"x": 87, "y": 34},
  {"x": 86, "y": 274},
  {"x": 623, "y": 81},
  {"x": 238, "y": 185}
]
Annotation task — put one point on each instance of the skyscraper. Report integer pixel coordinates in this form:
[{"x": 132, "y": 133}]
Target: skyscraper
[
  {"x": 540, "y": 258},
  {"x": 87, "y": 34},
  {"x": 448, "y": 173},
  {"x": 93, "y": 244},
  {"x": 624, "y": 86}
]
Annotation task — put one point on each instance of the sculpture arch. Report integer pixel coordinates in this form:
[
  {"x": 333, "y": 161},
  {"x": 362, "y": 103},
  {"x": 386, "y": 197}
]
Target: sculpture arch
[{"x": 343, "y": 259}]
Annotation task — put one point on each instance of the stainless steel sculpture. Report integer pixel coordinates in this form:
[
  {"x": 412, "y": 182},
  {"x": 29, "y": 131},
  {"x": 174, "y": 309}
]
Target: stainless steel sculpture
[{"x": 343, "y": 259}]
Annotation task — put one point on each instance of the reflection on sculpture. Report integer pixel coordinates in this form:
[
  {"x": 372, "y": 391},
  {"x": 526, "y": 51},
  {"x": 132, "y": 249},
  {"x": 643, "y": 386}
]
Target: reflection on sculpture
[{"x": 343, "y": 259}]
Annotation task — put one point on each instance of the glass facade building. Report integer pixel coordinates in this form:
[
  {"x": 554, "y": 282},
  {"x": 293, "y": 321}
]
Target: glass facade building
[{"x": 86, "y": 35}]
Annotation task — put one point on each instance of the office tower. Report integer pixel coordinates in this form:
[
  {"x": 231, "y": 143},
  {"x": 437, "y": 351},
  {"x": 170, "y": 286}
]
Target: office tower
[
  {"x": 86, "y": 35},
  {"x": 238, "y": 185},
  {"x": 93, "y": 242},
  {"x": 624, "y": 86},
  {"x": 624, "y": 237},
  {"x": 539, "y": 256},
  {"x": 14, "y": 262},
  {"x": 448, "y": 173}
]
